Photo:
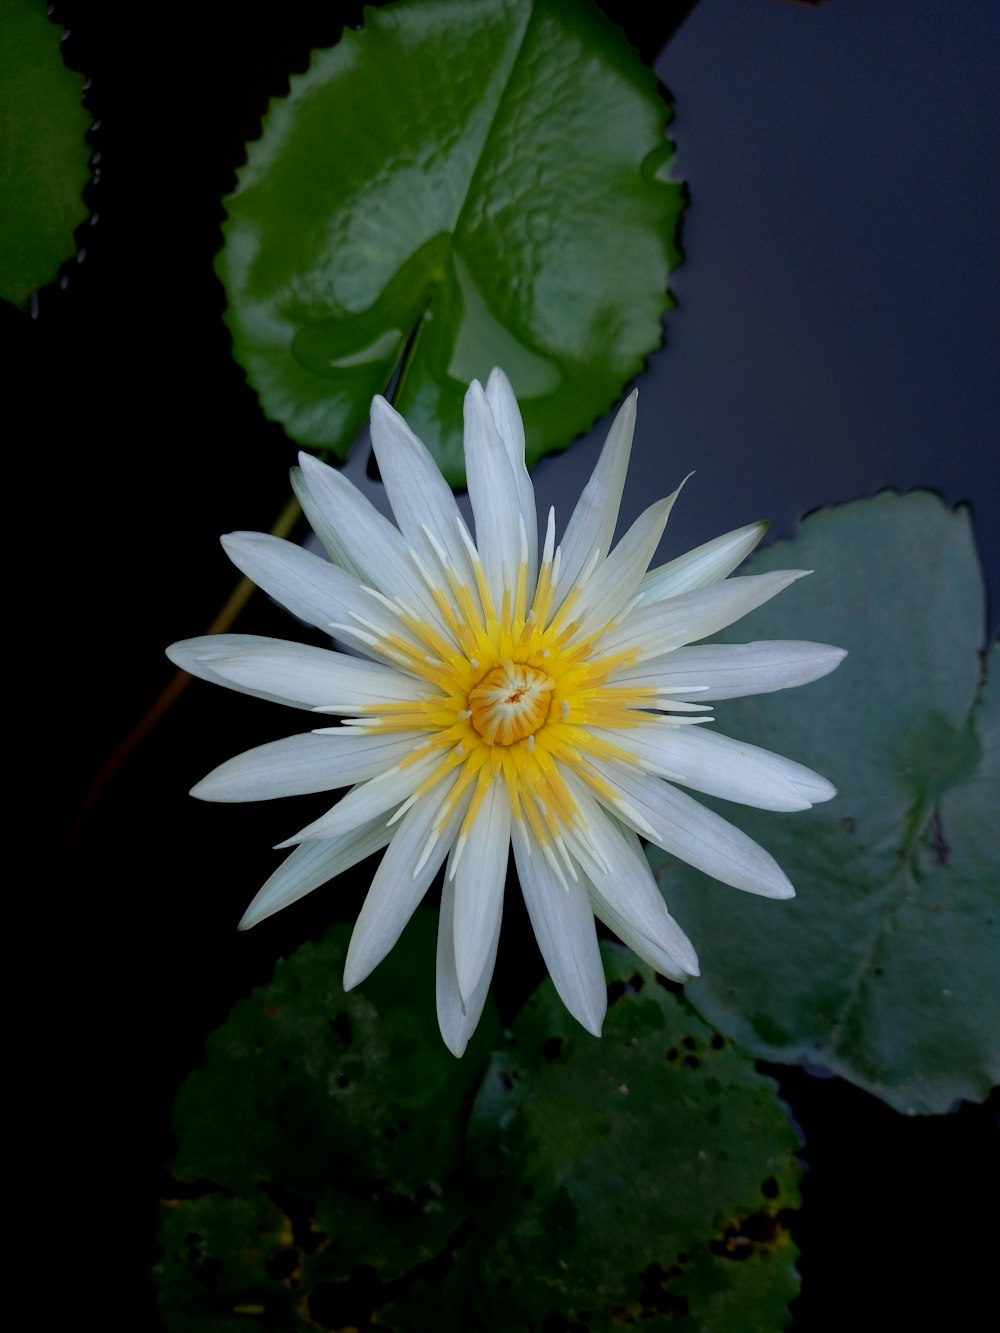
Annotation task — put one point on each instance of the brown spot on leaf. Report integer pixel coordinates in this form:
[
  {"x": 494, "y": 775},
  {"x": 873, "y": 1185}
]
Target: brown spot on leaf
[{"x": 749, "y": 1235}]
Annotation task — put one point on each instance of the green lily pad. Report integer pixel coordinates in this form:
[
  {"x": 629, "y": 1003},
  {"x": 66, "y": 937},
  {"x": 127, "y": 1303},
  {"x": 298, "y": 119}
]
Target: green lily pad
[
  {"x": 336, "y": 1169},
  {"x": 44, "y": 158},
  {"x": 455, "y": 187},
  {"x": 884, "y": 967},
  {"x": 643, "y": 1180},
  {"x": 320, "y": 1149}
]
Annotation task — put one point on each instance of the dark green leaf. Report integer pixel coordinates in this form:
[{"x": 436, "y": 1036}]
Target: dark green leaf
[
  {"x": 226, "y": 1265},
  {"x": 455, "y": 187},
  {"x": 346, "y": 1113},
  {"x": 642, "y": 1180},
  {"x": 43, "y": 156},
  {"x": 884, "y": 968}
]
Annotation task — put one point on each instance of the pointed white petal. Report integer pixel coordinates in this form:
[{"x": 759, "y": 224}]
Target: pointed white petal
[
  {"x": 732, "y": 670},
  {"x": 479, "y": 884},
  {"x": 608, "y": 592},
  {"x": 360, "y": 538},
  {"x": 301, "y": 764},
  {"x": 644, "y": 948},
  {"x": 294, "y": 673},
  {"x": 329, "y": 531},
  {"x": 706, "y": 564},
  {"x": 719, "y": 766},
  {"x": 308, "y": 586},
  {"x": 311, "y": 865},
  {"x": 592, "y": 525},
  {"x": 678, "y": 824},
  {"x": 658, "y": 628},
  {"x": 371, "y": 798},
  {"x": 625, "y": 895},
  {"x": 316, "y": 591},
  {"x": 507, "y": 417},
  {"x": 494, "y": 495},
  {"x": 563, "y": 922},
  {"x": 458, "y": 1018},
  {"x": 396, "y": 890},
  {"x": 419, "y": 495}
]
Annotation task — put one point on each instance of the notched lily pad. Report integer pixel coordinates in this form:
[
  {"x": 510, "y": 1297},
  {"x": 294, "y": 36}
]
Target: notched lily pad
[
  {"x": 336, "y": 1167},
  {"x": 44, "y": 158},
  {"x": 453, "y": 188},
  {"x": 884, "y": 967},
  {"x": 643, "y": 1180}
]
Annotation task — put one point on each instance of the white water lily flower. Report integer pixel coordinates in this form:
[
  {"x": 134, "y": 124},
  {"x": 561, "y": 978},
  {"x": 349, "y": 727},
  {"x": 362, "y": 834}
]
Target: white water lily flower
[{"x": 549, "y": 703}]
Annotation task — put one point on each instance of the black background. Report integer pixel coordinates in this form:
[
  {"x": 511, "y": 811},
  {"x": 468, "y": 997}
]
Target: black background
[{"x": 832, "y": 337}]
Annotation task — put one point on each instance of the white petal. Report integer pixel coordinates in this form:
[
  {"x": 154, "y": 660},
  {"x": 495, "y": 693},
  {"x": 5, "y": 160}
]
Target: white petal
[
  {"x": 641, "y": 945},
  {"x": 624, "y": 893},
  {"x": 732, "y": 670},
  {"x": 658, "y": 628},
  {"x": 360, "y": 538},
  {"x": 301, "y": 764},
  {"x": 493, "y": 492},
  {"x": 719, "y": 766},
  {"x": 706, "y": 564},
  {"x": 592, "y": 525},
  {"x": 507, "y": 416},
  {"x": 563, "y": 922},
  {"x": 311, "y": 588},
  {"x": 319, "y": 513},
  {"x": 457, "y": 1018},
  {"x": 396, "y": 889},
  {"x": 294, "y": 673},
  {"x": 418, "y": 493},
  {"x": 480, "y": 876},
  {"x": 607, "y": 593},
  {"x": 678, "y": 824},
  {"x": 311, "y": 865},
  {"x": 314, "y": 590},
  {"x": 371, "y": 798}
]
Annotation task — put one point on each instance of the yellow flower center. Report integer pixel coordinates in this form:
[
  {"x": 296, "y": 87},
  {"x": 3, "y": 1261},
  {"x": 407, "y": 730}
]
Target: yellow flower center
[
  {"x": 510, "y": 702},
  {"x": 514, "y": 698}
]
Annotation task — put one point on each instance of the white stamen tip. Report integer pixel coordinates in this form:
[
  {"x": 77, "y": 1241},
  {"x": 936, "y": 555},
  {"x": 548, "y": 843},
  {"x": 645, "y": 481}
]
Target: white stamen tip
[
  {"x": 436, "y": 546},
  {"x": 633, "y": 817},
  {"x": 432, "y": 841},
  {"x": 356, "y": 633},
  {"x": 407, "y": 805},
  {"x": 459, "y": 849}
]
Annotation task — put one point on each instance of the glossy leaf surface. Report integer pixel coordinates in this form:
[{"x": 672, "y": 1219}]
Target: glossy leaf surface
[{"x": 454, "y": 187}]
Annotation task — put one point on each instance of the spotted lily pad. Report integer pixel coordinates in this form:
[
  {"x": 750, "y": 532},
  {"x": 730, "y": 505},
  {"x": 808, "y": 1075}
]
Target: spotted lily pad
[
  {"x": 454, "y": 187},
  {"x": 336, "y": 1168},
  {"x": 644, "y": 1180},
  {"x": 884, "y": 968},
  {"x": 43, "y": 154}
]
